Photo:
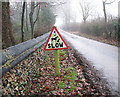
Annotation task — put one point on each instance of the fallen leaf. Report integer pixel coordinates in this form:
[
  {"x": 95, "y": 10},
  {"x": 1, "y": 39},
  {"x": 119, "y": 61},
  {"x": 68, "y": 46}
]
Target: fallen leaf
[
  {"x": 56, "y": 78},
  {"x": 46, "y": 87},
  {"x": 31, "y": 91}
]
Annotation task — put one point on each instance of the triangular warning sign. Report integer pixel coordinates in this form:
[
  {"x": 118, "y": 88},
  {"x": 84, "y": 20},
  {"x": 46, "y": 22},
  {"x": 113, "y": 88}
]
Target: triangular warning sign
[{"x": 55, "y": 41}]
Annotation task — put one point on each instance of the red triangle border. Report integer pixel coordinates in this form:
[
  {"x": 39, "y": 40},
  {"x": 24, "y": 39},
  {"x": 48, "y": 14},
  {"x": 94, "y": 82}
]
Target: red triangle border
[{"x": 60, "y": 37}]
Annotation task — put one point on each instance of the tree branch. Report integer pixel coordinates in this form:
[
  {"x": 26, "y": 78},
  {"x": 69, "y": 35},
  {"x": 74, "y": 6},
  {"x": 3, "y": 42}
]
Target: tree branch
[
  {"x": 37, "y": 16},
  {"x": 110, "y": 2}
]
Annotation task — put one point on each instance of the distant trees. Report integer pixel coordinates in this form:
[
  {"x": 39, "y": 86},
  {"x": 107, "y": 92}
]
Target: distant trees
[
  {"x": 97, "y": 27},
  {"x": 85, "y": 9},
  {"x": 7, "y": 31},
  {"x": 66, "y": 12},
  {"x": 118, "y": 29},
  {"x": 38, "y": 18},
  {"x": 104, "y": 8},
  {"x": 21, "y": 17},
  {"x": 31, "y": 18},
  {"x": 108, "y": 34},
  {"x": 47, "y": 16},
  {"x": 46, "y": 19}
]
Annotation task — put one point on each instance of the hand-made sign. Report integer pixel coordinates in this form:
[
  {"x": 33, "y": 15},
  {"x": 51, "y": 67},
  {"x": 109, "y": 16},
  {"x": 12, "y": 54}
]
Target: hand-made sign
[{"x": 55, "y": 41}]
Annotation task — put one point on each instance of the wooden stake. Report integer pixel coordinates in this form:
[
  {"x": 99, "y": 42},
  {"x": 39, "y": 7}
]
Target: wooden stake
[{"x": 57, "y": 66}]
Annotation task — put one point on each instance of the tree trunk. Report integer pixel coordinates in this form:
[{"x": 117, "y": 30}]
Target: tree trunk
[
  {"x": 7, "y": 32},
  {"x": 84, "y": 19},
  {"x": 105, "y": 17},
  {"x": 33, "y": 22},
  {"x": 31, "y": 19},
  {"x": 104, "y": 10},
  {"x": 26, "y": 17},
  {"x": 22, "y": 21},
  {"x": 118, "y": 30},
  {"x": 37, "y": 17}
]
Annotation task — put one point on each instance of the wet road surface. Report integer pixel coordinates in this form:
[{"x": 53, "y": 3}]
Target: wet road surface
[{"x": 103, "y": 56}]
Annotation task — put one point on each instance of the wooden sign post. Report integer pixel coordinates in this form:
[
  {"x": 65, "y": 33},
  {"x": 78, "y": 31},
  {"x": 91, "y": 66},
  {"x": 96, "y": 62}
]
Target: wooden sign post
[
  {"x": 55, "y": 42},
  {"x": 57, "y": 66}
]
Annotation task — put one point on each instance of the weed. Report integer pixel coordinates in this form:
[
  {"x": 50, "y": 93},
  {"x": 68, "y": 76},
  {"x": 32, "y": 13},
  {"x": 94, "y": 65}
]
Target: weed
[
  {"x": 47, "y": 59},
  {"x": 62, "y": 52},
  {"x": 71, "y": 68},
  {"x": 72, "y": 86},
  {"x": 72, "y": 77},
  {"x": 68, "y": 90},
  {"x": 50, "y": 92},
  {"x": 37, "y": 87},
  {"x": 61, "y": 85}
]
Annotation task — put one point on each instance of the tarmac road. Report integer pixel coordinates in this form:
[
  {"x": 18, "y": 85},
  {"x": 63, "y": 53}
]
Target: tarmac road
[{"x": 103, "y": 56}]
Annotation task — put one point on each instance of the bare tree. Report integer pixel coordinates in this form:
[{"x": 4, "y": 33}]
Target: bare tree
[
  {"x": 31, "y": 17},
  {"x": 66, "y": 12},
  {"x": 37, "y": 17},
  {"x": 85, "y": 9},
  {"x": 108, "y": 34},
  {"x": 22, "y": 21},
  {"x": 26, "y": 17},
  {"x": 32, "y": 21},
  {"x": 104, "y": 8}
]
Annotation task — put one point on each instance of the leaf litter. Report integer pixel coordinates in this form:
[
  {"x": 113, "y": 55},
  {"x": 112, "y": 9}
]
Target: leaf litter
[{"x": 35, "y": 75}]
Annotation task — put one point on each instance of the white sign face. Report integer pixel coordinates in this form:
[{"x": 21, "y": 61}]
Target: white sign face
[{"x": 55, "y": 41}]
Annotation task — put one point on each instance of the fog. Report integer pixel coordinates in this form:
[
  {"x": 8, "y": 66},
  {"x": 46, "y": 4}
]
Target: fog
[
  {"x": 72, "y": 7},
  {"x": 96, "y": 10}
]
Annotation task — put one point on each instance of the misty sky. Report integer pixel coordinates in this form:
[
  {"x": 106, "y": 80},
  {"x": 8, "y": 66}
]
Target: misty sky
[
  {"x": 97, "y": 9},
  {"x": 97, "y": 5}
]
